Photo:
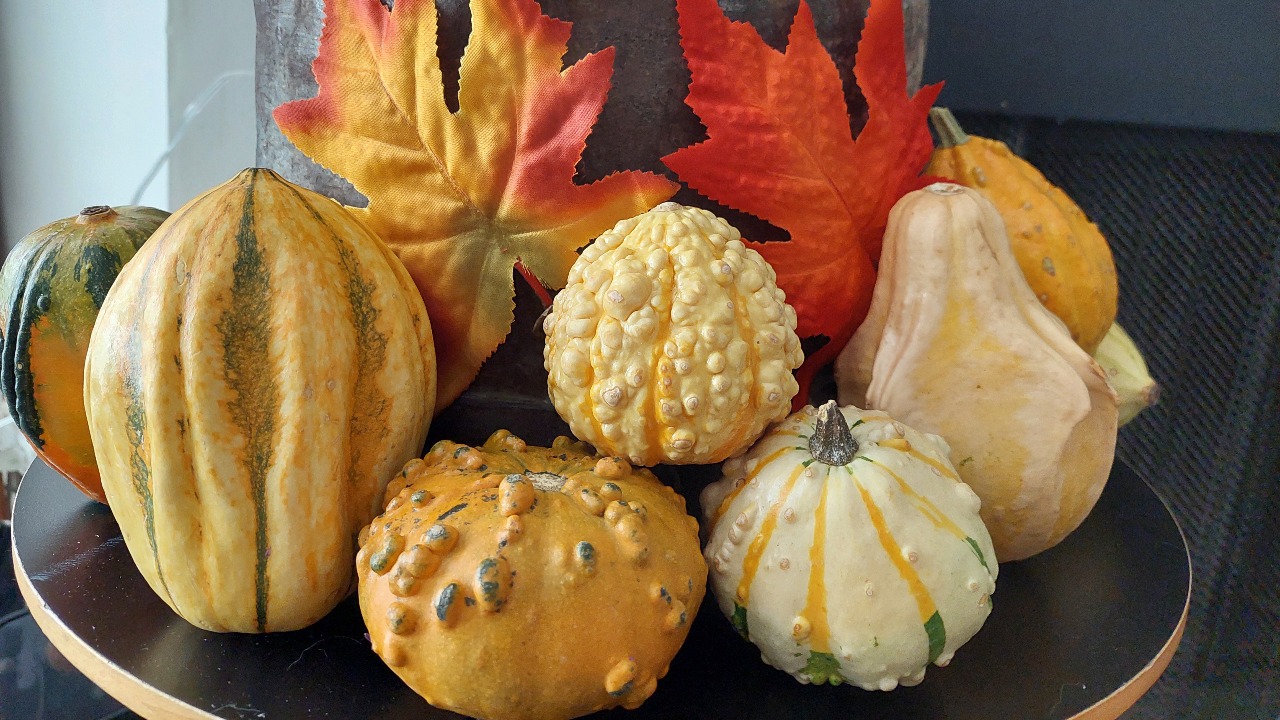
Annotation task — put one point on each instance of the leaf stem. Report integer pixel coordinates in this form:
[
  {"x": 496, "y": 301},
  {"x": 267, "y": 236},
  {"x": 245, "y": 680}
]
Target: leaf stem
[{"x": 535, "y": 283}]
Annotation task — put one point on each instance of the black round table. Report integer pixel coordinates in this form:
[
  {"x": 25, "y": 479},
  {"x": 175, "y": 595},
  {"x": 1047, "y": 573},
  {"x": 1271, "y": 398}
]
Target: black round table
[{"x": 1080, "y": 631}]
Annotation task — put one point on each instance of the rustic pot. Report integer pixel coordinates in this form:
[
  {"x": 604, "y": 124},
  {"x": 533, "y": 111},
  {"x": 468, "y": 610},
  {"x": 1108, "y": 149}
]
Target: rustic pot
[{"x": 644, "y": 119}]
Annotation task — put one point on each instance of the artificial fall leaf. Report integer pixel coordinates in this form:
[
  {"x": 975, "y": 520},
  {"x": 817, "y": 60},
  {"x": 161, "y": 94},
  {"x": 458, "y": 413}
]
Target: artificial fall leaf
[
  {"x": 463, "y": 196},
  {"x": 779, "y": 147}
]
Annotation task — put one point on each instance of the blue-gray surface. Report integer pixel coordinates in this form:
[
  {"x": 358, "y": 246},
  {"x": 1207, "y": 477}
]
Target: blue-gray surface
[{"x": 1205, "y": 65}]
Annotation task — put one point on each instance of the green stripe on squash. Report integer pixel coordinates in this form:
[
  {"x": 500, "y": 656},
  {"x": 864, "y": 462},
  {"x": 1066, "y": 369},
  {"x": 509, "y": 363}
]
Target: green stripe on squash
[
  {"x": 973, "y": 545},
  {"x": 141, "y": 472},
  {"x": 246, "y": 341},
  {"x": 739, "y": 621},
  {"x": 937, "y": 633}
]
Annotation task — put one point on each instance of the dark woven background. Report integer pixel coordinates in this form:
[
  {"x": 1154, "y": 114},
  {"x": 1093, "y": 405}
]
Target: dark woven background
[{"x": 1193, "y": 218}]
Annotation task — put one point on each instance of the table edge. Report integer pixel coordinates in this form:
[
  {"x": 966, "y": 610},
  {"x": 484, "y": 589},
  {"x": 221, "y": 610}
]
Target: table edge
[
  {"x": 125, "y": 687},
  {"x": 1127, "y": 695},
  {"x": 152, "y": 703}
]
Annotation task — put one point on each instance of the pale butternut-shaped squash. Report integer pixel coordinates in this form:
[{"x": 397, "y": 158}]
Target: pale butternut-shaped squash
[{"x": 957, "y": 344}]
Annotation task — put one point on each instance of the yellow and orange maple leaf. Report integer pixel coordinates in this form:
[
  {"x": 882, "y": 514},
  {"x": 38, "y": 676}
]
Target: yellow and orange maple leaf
[{"x": 463, "y": 196}]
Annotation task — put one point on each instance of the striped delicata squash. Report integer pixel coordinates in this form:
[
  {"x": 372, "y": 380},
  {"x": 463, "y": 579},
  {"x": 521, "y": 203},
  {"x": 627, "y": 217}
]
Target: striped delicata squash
[{"x": 257, "y": 375}]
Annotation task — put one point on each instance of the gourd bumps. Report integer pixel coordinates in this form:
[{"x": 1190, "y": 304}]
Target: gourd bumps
[
  {"x": 508, "y": 581},
  {"x": 671, "y": 342}
]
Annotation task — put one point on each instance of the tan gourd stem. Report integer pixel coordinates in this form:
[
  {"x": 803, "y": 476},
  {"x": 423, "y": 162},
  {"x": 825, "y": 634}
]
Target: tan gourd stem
[
  {"x": 950, "y": 134},
  {"x": 832, "y": 443},
  {"x": 94, "y": 214}
]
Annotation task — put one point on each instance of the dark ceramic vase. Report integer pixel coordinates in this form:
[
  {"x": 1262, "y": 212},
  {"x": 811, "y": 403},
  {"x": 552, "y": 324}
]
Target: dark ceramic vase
[{"x": 644, "y": 119}]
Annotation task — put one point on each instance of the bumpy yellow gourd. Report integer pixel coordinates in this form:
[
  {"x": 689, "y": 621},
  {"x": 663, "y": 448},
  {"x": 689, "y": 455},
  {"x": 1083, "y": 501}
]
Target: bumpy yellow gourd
[
  {"x": 510, "y": 582},
  {"x": 849, "y": 554},
  {"x": 1064, "y": 257},
  {"x": 671, "y": 342}
]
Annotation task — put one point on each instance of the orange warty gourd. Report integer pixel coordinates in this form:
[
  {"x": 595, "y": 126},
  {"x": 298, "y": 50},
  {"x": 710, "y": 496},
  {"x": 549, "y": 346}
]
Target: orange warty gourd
[
  {"x": 258, "y": 373},
  {"x": 1066, "y": 260},
  {"x": 508, "y": 581}
]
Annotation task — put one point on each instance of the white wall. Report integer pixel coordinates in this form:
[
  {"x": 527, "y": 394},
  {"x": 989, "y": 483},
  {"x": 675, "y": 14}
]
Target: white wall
[
  {"x": 83, "y": 107},
  {"x": 91, "y": 93},
  {"x": 206, "y": 40}
]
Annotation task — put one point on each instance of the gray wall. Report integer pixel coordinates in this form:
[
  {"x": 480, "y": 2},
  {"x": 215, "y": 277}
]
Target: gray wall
[
  {"x": 82, "y": 108},
  {"x": 92, "y": 93},
  {"x": 1172, "y": 63},
  {"x": 206, "y": 41}
]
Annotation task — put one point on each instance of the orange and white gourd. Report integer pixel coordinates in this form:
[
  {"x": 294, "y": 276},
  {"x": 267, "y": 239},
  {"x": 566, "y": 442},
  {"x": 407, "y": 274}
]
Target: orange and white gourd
[
  {"x": 671, "y": 342},
  {"x": 849, "y": 554}
]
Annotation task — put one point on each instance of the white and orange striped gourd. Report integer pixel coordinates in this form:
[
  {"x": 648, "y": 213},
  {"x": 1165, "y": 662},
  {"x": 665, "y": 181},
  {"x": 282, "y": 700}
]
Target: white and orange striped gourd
[{"x": 849, "y": 554}]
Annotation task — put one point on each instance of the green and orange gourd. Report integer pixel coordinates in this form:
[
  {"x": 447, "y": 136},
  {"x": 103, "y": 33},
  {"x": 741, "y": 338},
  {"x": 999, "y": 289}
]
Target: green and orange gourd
[
  {"x": 52, "y": 285},
  {"x": 257, "y": 375}
]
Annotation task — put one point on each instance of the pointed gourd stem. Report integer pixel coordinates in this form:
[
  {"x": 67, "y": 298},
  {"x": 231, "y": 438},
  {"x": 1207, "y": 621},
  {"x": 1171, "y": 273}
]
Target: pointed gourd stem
[
  {"x": 534, "y": 283},
  {"x": 950, "y": 134},
  {"x": 832, "y": 442}
]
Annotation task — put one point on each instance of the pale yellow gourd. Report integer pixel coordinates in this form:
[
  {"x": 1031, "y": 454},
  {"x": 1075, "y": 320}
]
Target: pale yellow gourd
[
  {"x": 671, "y": 342},
  {"x": 957, "y": 344}
]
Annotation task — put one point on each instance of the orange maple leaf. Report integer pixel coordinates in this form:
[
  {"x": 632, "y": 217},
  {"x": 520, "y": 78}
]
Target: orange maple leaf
[
  {"x": 463, "y": 196},
  {"x": 779, "y": 147}
]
